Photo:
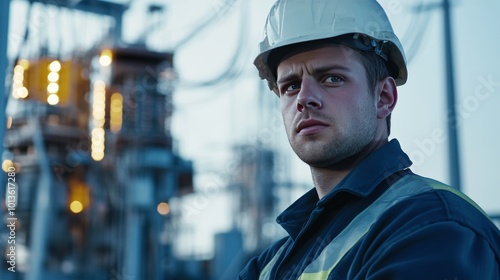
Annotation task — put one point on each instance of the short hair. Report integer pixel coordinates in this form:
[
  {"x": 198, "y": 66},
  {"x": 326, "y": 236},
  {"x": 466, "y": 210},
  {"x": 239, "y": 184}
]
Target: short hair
[{"x": 376, "y": 70}]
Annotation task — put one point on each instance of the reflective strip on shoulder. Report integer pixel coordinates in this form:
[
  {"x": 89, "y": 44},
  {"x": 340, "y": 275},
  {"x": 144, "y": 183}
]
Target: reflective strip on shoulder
[
  {"x": 265, "y": 273},
  {"x": 331, "y": 255},
  {"x": 440, "y": 186}
]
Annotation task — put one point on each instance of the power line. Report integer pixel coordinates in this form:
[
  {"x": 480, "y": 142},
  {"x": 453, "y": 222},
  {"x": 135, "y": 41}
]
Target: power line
[
  {"x": 412, "y": 38},
  {"x": 236, "y": 66},
  {"x": 205, "y": 24}
]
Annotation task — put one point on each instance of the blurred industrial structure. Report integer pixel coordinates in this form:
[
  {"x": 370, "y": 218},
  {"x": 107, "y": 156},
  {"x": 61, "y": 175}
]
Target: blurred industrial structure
[{"x": 88, "y": 137}]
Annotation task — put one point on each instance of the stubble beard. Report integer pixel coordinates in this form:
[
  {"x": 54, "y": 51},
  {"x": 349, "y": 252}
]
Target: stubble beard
[{"x": 343, "y": 145}]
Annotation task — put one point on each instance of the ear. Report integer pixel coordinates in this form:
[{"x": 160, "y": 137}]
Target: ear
[{"x": 387, "y": 97}]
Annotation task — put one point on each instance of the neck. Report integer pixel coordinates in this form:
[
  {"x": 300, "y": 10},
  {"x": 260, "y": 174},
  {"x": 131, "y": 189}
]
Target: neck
[{"x": 326, "y": 179}]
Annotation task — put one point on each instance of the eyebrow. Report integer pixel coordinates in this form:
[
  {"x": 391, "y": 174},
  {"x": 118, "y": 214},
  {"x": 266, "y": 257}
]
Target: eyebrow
[{"x": 291, "y": 76}]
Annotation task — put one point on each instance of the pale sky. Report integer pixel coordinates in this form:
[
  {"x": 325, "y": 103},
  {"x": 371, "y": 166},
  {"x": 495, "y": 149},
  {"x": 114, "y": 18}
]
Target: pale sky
[{"x": 209, "y": 121}]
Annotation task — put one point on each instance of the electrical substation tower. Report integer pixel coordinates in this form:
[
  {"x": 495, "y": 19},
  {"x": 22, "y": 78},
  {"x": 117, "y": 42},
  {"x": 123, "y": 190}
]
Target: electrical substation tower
[{"x": 89, "y": 139}]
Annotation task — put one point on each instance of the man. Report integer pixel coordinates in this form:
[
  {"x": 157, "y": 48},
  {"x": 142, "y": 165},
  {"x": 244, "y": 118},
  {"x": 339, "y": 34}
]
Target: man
[{"x": 335, "y": 66}]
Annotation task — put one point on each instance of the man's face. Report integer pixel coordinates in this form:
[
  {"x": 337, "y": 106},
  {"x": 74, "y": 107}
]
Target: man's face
[{"x": 328, "y": 110}]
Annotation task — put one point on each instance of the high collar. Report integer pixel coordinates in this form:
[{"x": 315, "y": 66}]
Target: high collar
[{"x": 361, "y": 182}]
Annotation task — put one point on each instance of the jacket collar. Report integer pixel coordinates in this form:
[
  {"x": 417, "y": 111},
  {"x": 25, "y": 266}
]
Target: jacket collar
[{"x": 361, "y": 181}]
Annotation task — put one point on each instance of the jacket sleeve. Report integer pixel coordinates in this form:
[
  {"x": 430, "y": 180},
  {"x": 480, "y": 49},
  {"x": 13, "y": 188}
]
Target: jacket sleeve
[{"x": 444, "y": 250}]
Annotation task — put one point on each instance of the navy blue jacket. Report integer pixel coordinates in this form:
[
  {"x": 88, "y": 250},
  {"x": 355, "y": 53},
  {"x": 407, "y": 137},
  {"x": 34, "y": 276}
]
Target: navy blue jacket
[{"x": 433, "y": 235}]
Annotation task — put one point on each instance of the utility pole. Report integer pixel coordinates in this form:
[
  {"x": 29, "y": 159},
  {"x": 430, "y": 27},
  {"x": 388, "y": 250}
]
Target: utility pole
[
  {"x": 4, "y": 62},
  {"x": 453, "y": 145}
]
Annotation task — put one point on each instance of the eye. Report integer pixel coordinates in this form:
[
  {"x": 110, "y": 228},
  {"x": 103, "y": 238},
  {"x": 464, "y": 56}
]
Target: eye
[
  {"x": 289, "y": 88},
  {"x": 334, "y": 80}
]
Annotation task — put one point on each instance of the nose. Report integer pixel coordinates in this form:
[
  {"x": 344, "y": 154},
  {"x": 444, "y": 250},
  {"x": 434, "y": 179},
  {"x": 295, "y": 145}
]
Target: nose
[{"x": 309, "y": 96}]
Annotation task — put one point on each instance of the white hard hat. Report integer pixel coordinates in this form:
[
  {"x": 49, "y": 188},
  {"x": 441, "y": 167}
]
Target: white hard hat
[{"x": 361, "y": 24}]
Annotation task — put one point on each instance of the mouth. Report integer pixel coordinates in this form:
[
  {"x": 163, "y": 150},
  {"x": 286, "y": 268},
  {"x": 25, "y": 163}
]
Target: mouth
[{"x": 310, "y": 126}]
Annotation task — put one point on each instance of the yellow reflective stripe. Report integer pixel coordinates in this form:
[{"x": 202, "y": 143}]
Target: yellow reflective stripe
[
  {"x": 331, "y": 255},
  {"x": 265, "y": 273},
  {"x": 440, "y": 186}
]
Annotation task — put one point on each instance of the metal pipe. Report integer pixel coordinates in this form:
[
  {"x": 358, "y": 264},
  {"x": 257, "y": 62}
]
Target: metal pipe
[{"x": 42, "y": 212}]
